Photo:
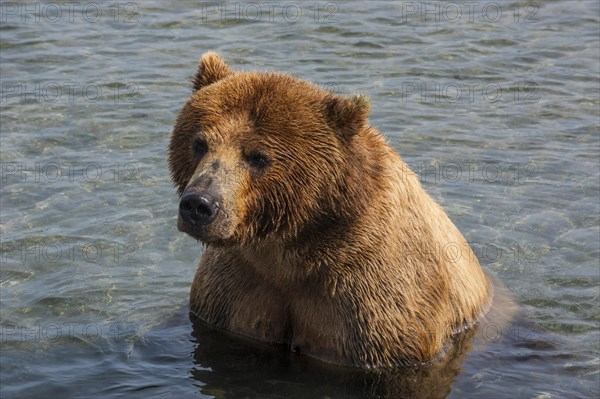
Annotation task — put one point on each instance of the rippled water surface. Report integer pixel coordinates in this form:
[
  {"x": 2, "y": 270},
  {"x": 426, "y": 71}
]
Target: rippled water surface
[{"x": 496, "y": 107}]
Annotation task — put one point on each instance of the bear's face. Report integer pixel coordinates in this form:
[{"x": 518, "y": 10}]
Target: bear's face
[{"x": 259, "y": 154}]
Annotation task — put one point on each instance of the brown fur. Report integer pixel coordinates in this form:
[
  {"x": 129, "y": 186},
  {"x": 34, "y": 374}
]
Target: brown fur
[{"x": 334, "y": 248}]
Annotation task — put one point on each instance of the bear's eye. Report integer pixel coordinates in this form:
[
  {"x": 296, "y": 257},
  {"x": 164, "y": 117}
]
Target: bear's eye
[
  {"x": 257, "y": 160},
  {"x": 200, "y": 148}
]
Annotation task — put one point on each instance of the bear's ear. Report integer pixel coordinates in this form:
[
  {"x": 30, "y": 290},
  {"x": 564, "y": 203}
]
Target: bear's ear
[
  {"x": 210, "y": 69},
  {"x": 347, "y": 114}
]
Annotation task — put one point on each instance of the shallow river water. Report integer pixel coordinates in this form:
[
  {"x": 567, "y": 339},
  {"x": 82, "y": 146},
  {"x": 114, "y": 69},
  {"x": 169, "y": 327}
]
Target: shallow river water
[{"x": 494, "y": 104}]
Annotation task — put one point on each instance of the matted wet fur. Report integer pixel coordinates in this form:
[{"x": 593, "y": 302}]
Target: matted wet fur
[{"x": 317, "y": 234}]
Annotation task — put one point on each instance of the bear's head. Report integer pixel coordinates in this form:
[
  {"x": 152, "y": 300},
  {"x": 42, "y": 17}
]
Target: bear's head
[{"x": 263, "y": 154}]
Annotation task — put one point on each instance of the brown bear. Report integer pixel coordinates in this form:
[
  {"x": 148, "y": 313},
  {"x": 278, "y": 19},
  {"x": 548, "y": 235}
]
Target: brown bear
[{"x": 317, "y": 234}]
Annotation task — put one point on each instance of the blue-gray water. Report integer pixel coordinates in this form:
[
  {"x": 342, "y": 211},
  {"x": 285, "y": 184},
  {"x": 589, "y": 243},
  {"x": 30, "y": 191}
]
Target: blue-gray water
[{"x": 494, "y": 104}]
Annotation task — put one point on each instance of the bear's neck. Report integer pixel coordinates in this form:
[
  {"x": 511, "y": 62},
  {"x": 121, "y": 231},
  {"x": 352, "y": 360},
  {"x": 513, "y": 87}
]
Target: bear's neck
[{"x": 358, "y": 212}]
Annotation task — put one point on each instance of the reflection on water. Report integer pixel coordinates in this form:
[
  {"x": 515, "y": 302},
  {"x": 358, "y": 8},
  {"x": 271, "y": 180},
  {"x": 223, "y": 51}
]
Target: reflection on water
[
  {"x": 497, "y": 112},
  {"x": 234, "y": 367},
  {"x": 228, "y": 366}
]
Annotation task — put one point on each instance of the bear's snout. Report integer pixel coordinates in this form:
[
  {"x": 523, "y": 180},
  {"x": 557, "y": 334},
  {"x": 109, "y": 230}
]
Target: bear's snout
[{"x": 198, "y": 208}]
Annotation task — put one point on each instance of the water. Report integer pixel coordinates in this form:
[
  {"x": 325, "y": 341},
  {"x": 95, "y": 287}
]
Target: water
[{"x": 498, "y": 111}]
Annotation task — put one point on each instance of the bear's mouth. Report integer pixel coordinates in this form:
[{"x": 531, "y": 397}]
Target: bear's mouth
[
  {"x": 215, "y": 233},
  {"x": 200, "y": 232},
  {"x": 188, "y": 229}
]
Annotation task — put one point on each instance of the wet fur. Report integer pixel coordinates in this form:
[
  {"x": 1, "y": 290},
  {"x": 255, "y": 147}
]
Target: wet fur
[{"x": 335, "y": 249}]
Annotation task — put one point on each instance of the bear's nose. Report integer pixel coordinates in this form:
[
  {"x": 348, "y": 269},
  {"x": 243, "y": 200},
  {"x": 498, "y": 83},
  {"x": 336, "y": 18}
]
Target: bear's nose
[{"x": 198, "y": 208}]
